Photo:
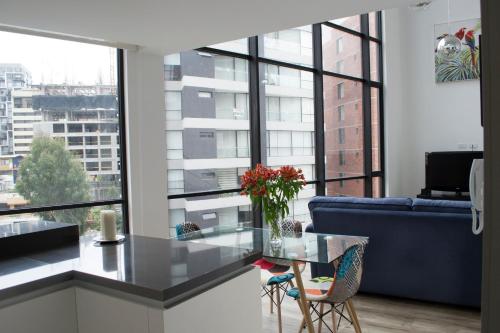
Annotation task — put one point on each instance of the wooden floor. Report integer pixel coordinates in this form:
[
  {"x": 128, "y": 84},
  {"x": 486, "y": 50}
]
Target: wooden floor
[{"x": 381, "y": 315}]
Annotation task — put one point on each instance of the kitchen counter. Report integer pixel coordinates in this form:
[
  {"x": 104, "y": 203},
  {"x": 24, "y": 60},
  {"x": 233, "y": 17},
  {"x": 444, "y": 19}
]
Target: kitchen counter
[{"x": 160, "y": 271}]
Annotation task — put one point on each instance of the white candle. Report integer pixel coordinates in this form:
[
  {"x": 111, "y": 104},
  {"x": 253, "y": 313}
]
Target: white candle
[{"x": 108, "y": 225}]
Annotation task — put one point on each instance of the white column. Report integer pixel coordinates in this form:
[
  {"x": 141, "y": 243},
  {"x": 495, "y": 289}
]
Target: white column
[{"x": 146, "y": 147}]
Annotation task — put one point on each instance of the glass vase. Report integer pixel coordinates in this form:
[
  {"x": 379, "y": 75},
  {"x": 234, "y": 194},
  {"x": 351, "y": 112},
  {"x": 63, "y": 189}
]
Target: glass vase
[{"x": 275, "y": 237}]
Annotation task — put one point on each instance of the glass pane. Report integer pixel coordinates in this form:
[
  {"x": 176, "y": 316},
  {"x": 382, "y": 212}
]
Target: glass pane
[
  {"x": 299, "y": 210},
  {"x": 374, "y": 60},
  {"x": 88, "y": 219},
  {"x": 56, "y": 104},
  {"x": 304, "y": 247},
  {"x": 341, "y": 52},
  {"x": 352, "y": 187},
  {"x": 289, "y": 102},
  {"x": 376, "y": 165},
  {"x": 372, "y": 23},
  {"x": 208, "y": 211},
  {"x": 238, "y": 46},
  {"x": 209, "y": 149},
  {"x": 292, "y": 45},
  {"x": 377, "y": 187},
  {"x": 351, "y": 22},
  {"x": 343, "y": 103}
]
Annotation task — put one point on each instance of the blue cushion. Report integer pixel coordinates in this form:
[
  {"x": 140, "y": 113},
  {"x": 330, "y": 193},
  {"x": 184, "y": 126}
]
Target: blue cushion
[
  {"x": 442, "y": 206},
  {"x": 294, "y": 293},
  {"x": 280, "y": 279},
  {"x": 178, "y": 230},
  {"x": 396, "y": 204}
]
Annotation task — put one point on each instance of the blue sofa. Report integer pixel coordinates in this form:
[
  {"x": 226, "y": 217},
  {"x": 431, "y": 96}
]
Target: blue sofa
[{"x": 419, "y": 249}]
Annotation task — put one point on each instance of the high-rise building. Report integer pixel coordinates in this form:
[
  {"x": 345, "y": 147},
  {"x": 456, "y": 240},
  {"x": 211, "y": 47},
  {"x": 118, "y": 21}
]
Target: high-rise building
[
  {"x": 23, "y": 119},
  {"x": 344, "y": 110},
  {"x": 84, "y": 117},
  {"x": 312, "y": 97},
  {"x": 208, "y": 143},
  {"x": 12, "y": 77}
]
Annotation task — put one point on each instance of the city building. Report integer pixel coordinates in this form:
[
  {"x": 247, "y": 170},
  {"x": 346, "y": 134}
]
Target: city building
[
  {"x": 8, "y": 171},
  {"x": 343, "y": 108},
  {"x": 12, "y": 77},
  {"x": 84, "y": 117},
  {"x": 23, "y": 119},
  {"x": 208, "y": 142}
]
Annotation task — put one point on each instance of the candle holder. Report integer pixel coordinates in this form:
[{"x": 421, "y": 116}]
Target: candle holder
[{"x": 99, "y": 240}]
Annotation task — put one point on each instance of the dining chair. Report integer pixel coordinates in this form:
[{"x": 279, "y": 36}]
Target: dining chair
[
  {"x": 185, "y": 228},
  {"x": 336, "y": 291},
  {"x": 276, "y": 274}
]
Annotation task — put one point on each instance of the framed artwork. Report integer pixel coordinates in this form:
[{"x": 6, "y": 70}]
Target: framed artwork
[{"x": 466, "y": 65}]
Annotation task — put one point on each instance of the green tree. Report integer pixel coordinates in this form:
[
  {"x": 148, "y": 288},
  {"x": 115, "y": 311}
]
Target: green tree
[{"x": 51, "y": 175}]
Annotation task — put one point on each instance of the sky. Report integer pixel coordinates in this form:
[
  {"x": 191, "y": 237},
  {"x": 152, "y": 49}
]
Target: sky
[{"x": 56, "y": 61}]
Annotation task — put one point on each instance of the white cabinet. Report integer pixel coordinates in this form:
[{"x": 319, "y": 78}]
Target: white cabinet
[
  {"x": 100, "y": 313},
  {"x": 232, "y": 306},
  {"x": 51, "y": 313}
]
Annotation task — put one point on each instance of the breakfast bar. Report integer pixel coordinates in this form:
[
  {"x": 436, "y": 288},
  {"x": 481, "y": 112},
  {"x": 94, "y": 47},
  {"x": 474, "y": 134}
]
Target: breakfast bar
[{"x": 140, "y": 285}]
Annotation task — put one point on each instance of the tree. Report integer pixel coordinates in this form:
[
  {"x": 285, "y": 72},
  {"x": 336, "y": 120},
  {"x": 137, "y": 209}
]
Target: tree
[{"x": 52, "y": 175}]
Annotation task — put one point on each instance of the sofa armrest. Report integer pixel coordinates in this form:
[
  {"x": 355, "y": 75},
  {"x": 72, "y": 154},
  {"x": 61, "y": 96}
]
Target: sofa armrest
[{"x": 310, "y": 228}]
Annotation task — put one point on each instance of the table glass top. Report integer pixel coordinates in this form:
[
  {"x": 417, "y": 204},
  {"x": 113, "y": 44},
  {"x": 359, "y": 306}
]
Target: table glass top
[{"x": 305, "y": 246}]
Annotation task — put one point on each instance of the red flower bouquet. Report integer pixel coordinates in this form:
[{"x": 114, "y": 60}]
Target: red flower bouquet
[{"x": 271, "y": 190}]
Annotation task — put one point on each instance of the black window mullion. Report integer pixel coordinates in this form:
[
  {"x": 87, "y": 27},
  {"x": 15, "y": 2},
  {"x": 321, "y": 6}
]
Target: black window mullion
[
  {"x": 122, "y": 133},
  {"x": 381, "y": 104},
  {"x": 319, "y": 117},
  {"x": 257, "y": 122},
  {"x": 367, "y": 116}
]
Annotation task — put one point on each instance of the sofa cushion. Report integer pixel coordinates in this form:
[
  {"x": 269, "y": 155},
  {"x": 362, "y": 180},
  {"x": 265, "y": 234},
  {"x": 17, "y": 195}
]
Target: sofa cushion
[
  {"x": 397, "y": 204},
  {"x": 442, "y": 206}
]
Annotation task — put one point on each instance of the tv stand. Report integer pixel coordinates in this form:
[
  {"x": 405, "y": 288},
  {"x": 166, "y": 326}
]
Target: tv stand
[{"x": 427, "y": 194}]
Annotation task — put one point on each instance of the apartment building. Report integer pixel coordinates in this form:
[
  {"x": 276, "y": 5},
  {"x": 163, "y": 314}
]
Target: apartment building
[
  {"x": 12, "y": 77},
  {"x": 208, "y": 143},
  {"x": 23, "y": 119},
  {"x": 343, "y": 102},
  {"x": 84, "y": 117}
]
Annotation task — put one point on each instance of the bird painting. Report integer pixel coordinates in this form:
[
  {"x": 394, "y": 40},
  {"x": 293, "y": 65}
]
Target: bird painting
[
  {"x": 470, "y": 41},
  {"x": 460, "y": 33},
  {"x": 465, "y": 66}
]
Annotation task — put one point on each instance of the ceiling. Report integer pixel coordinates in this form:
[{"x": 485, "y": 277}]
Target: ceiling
[{"x": 167, "y": 26}]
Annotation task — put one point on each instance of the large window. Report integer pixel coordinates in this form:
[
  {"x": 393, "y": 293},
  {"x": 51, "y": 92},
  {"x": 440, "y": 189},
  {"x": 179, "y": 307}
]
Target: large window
[
  {"x": 62, "y": 106},
  {"x": 258, "y": 100}
]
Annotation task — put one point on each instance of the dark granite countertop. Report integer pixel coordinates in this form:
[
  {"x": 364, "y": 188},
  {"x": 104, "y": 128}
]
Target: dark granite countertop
[{"x": 152, "y": 268}]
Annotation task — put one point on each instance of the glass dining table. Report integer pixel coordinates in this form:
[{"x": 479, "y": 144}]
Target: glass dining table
[{"x": 295, "y": 248}]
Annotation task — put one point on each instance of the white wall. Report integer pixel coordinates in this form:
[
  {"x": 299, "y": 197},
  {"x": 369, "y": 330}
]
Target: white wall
[
  {"x": 421, "y": 115},
  {"x": 146, "y": 144}
]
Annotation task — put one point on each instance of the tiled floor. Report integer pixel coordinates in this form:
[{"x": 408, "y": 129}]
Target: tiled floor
[{"x": 386, "y": 315}]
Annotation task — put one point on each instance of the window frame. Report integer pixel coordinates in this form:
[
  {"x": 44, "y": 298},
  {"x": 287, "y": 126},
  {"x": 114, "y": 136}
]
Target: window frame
[
  {"x": 258, "y": 111},
  {"x": 123, "y": 201}
]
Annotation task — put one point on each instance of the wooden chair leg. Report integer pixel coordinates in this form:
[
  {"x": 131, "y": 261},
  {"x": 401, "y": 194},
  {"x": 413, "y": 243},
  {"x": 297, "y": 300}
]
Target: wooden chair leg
[
  {"x": 278, "y": 306},
  {"x": 353, "y": 315},
  {"x": 334, "y": 325},
  {"x": 303, "y": 322},
  {"x": 320, "y": 320},
  {"x": 271, "y": 296},
  {"x": 302, "y": 299}
]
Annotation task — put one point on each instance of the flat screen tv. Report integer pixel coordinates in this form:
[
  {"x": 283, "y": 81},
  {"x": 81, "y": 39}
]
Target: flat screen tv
[{"x": 449, "y": 170}]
